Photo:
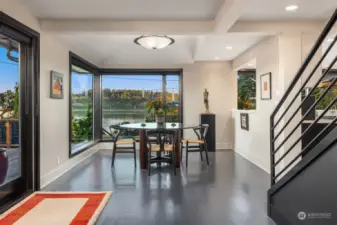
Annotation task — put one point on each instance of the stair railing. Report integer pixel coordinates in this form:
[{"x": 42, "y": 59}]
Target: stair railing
[{"x": 275, "y": 123}]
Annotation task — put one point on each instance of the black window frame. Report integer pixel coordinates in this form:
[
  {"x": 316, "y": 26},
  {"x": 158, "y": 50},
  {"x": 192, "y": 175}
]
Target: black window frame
[
  {"x": 83, "y": 64},
  {"x": 141, "y": 72},
  {"x": 97, "y": 93}
]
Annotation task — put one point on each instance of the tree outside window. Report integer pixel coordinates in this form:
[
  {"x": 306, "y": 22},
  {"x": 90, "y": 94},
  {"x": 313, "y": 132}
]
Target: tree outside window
[{"x": 247, "y": 89}]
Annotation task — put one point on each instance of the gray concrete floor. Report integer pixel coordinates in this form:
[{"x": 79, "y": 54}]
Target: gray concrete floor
[{"x": 231, "y": 191}]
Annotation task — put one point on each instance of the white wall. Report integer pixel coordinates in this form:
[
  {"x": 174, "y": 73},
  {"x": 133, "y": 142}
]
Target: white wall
[
  {"x": 54, "y": 55},
  {"x": 254, "y": 144},
  {"x": 221, "y": 84},
  {"x": 281, "y": 55}
]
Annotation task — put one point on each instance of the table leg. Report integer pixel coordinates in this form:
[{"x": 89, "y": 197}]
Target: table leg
[{"x": 142, "y": 150}]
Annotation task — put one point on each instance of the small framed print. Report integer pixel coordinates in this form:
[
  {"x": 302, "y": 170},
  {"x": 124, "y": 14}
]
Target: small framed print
[
  {"x": 244, "y": 121},
  {"x": 265, "y": 88},
  {"x": 56, "y": 85}
]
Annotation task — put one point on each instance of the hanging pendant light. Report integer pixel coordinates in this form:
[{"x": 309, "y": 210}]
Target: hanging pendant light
[{"x": 154, "y": 41}]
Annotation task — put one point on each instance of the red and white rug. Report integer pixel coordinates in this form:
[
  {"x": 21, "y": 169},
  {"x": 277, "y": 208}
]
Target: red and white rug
[{"x": 57, "y": 208}]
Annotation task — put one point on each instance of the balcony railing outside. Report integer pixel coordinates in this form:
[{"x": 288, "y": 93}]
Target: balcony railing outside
[{"x": 9, "y": 133}]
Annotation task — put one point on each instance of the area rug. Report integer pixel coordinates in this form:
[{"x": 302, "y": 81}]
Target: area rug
[{"x": 57, "y": 208}]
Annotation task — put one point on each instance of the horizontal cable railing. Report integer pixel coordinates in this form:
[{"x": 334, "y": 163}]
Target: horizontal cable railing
[
  {"x": 310, "y": 109},
  {"x": 302, "y": 87},
  {"x": 276, "y": 159}
]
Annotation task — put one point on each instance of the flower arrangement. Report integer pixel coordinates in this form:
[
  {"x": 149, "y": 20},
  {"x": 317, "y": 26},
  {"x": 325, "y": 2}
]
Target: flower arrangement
[{"x": 157, "y": 107}]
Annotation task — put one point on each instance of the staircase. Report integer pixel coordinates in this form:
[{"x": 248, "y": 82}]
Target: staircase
[{"x": 303, "y": 145}]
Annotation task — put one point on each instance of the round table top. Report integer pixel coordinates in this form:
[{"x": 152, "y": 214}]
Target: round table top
[{"x": 156, "y": 126}]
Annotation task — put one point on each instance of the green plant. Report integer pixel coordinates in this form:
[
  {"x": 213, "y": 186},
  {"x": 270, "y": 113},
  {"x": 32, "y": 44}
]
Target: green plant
[
  {"x": 82, "y": 128},
  {"x": 327, "y": 99},
  {"x": 246, "y": 91},
  {"x": 9, "y": 103},
  {"x": 157, "y": 107}
]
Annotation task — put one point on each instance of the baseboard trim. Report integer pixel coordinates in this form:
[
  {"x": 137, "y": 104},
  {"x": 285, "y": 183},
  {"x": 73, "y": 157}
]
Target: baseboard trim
[
  {"x": 68, "y": 165},
  {"x": 244, "y": 155},
  {"x": 223, "y": 145}
]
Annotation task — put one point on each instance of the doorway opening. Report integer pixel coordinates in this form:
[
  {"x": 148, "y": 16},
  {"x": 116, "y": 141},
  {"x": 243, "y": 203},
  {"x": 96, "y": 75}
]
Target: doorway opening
[{"x": 19, "y": 115}]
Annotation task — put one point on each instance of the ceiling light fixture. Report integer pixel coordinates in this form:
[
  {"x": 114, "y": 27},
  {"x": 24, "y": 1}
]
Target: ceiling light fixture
[
  {"x": 154, "y": 41},
  {"x": 229, "y": 47},
  {"x": 250, "y": 64},
  {"x": 291, "y": 8},
  {"x": 217, "y": 58}
]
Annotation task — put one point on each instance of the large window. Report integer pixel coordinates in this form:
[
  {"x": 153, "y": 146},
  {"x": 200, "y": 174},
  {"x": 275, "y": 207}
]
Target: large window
[
  {"x": 173, "y": 98},
  {"x": 81, "y": 108},
  {"x": 124, "y": 98}
]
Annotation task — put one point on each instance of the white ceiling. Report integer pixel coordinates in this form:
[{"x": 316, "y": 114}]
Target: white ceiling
[
  {"x": 120, "y": 49},
  {"x": 126, "y": 9},
  {"x": 275, "y": 9},
  {"x": 213, "y": 47},
  {"x": 98, "y": 31}
]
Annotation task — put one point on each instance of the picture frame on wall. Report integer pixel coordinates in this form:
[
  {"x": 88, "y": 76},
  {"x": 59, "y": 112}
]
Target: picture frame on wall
[
  {"x": 244, "y": 121},
  {"x": 56, "y": 85},
  {"x": 265, "y": 86}
]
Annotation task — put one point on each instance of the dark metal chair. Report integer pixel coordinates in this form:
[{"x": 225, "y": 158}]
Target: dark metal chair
[
  {"x": 196, "y": 145},
  {"x": 121, "y": 145},
  {"x": 161, "y": 145}
]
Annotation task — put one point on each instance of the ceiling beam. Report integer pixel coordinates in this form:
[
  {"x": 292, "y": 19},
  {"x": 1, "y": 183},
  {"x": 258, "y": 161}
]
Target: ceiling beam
[
  {"x": 228, "y": 14},
  {"x": 276, "y": 27},
  {"x": 198, "y": 43},
  {"x": 128, "y": 27}
]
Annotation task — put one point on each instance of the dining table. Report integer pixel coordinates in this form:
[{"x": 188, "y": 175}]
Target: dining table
[{"x": 143, "y": 127}]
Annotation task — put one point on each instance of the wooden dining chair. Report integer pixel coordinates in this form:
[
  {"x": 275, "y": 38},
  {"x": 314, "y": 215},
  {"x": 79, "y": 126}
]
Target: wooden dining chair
[
  {"x": 196, "y": 145},
  {"x": 121, "y": 145},
  {"x": 162, "y": 145}
]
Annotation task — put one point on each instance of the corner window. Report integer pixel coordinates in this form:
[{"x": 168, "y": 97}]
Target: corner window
[{"x": 81, "y": 113}]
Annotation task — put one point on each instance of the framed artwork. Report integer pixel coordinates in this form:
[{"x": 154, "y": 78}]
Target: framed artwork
[
  {"x": 56, "y": 85},
  {"x": 244, "y": 121},
  {"x": 265, "y": 86}
]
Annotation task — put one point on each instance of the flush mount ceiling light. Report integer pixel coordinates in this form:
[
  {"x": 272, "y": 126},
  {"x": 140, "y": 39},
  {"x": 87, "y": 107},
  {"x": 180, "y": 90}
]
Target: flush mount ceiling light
[
  {"x": 229, "y": 47},
  {"x": 291, "y": 8},
  {"x": 154, "y": 41}
]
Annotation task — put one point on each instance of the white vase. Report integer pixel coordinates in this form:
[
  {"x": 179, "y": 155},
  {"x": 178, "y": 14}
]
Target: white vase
[{"x": 160, "y": 118}]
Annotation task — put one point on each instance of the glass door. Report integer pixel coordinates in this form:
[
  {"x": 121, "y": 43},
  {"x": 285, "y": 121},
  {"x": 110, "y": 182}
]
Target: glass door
[{"x": 13, "y": 155}]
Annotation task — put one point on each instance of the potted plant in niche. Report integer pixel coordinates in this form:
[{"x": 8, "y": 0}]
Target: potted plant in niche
[{"x": 158, "y": 108}]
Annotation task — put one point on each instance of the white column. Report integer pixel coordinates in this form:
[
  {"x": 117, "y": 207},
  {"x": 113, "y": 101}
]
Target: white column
[{"x": 293, "y": 49}]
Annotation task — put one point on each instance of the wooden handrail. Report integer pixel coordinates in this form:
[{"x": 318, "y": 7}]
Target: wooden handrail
[{"x": 8, "y": 134}]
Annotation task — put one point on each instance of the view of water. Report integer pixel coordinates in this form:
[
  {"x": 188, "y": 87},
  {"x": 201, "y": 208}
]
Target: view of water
[
  {"x": 115, "y": 118},
  {"x": 111, "y": 118}
]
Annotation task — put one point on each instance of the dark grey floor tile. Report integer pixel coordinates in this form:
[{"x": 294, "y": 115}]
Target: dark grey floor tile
[{"x": 231, "y": 191}]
